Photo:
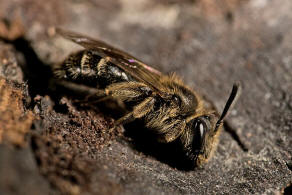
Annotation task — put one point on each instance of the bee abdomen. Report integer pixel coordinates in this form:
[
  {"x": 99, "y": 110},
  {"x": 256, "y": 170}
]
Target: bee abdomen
[
  {"x": 86, "y": 67},
  {"x": 78, "y": 66},
  {"x": 110, "y": 73}
]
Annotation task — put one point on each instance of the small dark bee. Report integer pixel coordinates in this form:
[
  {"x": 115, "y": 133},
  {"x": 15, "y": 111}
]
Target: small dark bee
[{"x": 167, "y": 106}]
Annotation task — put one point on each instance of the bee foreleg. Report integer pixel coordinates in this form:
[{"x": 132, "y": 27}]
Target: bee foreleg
[
  {"x": 171, "y": 131},
  {"x": 144, "y": 107},
  {"x": 139, "y": 111},
  {"x": 123, "y": 120}
]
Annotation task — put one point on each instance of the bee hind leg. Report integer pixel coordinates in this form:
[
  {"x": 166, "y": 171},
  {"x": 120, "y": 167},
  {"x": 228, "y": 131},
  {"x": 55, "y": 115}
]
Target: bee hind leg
[
  {"x": 139, "y": 111},
  {"x": 82, "y": 89}
]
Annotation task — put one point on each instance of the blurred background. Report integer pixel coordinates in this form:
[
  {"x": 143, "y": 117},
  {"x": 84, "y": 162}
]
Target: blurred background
[{"x": 209, "y": 44}]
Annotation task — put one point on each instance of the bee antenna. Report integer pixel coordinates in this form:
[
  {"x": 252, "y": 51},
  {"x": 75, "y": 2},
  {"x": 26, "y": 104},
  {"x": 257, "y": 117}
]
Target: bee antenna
[{"x": 230, "y": 102}]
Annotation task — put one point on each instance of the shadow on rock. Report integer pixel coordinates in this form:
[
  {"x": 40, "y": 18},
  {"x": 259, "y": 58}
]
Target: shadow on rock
[{"x": 169, "y": 153}]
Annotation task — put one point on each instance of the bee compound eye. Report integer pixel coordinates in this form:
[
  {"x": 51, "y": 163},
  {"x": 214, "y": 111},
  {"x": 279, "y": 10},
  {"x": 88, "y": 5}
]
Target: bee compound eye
[
  {"x": 202, "y": 129},
  {"x": 199, "y": 133}
]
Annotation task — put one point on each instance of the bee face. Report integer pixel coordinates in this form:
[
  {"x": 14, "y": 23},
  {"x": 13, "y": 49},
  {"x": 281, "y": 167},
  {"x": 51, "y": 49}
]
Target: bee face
[{"x": 200, "y": 139}]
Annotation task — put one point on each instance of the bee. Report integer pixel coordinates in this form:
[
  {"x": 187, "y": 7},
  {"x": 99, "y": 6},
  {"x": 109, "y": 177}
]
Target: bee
[{"x": 169, "y": 109}]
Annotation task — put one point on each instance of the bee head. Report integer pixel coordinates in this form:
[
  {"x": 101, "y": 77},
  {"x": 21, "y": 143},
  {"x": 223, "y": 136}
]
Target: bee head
[{"x": 201, "y": 137}]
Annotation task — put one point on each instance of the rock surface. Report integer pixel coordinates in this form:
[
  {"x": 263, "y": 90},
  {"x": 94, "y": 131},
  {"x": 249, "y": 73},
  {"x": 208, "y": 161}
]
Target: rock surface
[{"x": 64, "y": 148}]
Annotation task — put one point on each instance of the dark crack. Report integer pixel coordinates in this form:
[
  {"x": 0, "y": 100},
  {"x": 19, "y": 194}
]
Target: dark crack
[
  {"x": 229, "y": 129},
  {"x": 288, "y": 190},
  {"x": 36, "y": 73},
  {"x": 289, "y": 165}
]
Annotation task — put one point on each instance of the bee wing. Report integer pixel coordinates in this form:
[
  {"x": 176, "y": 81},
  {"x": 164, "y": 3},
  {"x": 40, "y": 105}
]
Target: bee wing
[{"x": 126, "y": 62}]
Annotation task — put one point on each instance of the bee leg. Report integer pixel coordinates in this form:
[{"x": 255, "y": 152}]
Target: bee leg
[
  {"x": 102, "y": 99},
  {"x": 123, "y": 120},
  {"x": 172, "y": 131},
  {"x": 144, "y": 107},
  {"x": 128, "y": 91},
  {"x": 167, "y": 129},
  {"x": 82, "y": 89},
  {"x": 139, "y": 111}
]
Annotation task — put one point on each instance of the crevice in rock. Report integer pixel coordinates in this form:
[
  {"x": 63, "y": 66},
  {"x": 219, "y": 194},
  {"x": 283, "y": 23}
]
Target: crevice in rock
[
  {"x": 288, "y": 190},
  {"x": 229, "y": 129},
  {"x": 289, "y": 165},
  {"x": 36, "y": 73}
]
